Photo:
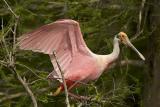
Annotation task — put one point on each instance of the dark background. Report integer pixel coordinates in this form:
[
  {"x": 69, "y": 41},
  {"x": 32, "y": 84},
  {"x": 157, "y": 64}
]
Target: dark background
[{"x": 129, "y": 82}]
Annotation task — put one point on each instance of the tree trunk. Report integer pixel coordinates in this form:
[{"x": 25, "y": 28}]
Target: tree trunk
[{"x": 152, "y": 87}]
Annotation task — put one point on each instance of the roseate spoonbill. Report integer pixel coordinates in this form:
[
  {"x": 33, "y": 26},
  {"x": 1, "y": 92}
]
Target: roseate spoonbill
[{"x": 77, "y": 62}]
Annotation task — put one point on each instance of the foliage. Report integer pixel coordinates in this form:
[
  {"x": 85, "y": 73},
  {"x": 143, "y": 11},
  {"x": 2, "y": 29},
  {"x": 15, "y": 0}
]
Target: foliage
[{"x": 100, "y": 20}]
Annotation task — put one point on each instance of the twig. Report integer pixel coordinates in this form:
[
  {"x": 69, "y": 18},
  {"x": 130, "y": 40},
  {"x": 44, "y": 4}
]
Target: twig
[
  {"x": 136, "y": 35},
  {"x": 3, "y": 40},
  {"x": 2, "y": 26},
  {"x": 10, "y": 9},
  {"x": 35, "y": 81},
  {"x": 13, "y": 68},
  {"x": 42, "y": 90},
  {"x": 64, "y": 82},
  {"x": 84, "y": 98},
  {"x": 14, "y": 33},
  {"x": 79, "y": 97},
  {"x": 3, "y": 63},
  {"x": 1, "y": 93},
  {"x": 11, "y": 96},
  {"x": 22, "y": 65},
  {"x": 139, "y": 31},
  {"x": 111, "y": 6},
  {"x": 25, "y": 86},
  {"x": 130, "y": 62},
  {"x": 12, "y": 57},
  {"x": 11, "y": 60}
]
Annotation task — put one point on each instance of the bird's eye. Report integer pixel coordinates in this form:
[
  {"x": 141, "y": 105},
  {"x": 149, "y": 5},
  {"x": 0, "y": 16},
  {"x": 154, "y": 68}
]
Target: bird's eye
[{"x": 121, "y": 37}]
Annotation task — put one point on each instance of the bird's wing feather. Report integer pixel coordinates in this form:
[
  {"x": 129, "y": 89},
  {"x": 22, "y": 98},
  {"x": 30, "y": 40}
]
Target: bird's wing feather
[{"x": 63, "y": 37}]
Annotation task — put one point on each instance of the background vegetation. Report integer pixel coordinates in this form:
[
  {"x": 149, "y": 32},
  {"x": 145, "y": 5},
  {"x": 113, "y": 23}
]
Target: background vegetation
[{"x": 130, "y": 82}]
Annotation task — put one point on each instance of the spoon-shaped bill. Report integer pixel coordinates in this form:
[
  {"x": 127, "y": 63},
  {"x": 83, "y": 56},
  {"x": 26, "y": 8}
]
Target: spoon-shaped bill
[{"x": 131, "y": 46}]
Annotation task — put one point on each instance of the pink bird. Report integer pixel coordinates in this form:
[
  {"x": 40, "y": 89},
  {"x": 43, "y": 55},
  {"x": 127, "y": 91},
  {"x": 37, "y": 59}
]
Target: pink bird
[{"x": 76, "y": 60}]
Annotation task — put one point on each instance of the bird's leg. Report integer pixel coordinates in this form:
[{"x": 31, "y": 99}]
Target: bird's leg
[{"x": 70, "y": 84}]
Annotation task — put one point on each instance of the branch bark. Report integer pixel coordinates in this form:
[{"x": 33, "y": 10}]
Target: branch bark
[
  {"x": 11, "y": 59},
  {"x": 25, "y": 86},
  {"x": 139, "y": 30},
  {"x": 138, "y": 63},
  {"x": 11, "y": 96},
  {"x": 64, "y": 82},
  {"x": 16, "y": 95},
  {"x": 10, "y": 9}
]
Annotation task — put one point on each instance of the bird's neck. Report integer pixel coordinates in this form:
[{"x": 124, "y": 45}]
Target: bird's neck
[
  {"x": 116, "y": 50},
  {"x": 105, "y": 60}
]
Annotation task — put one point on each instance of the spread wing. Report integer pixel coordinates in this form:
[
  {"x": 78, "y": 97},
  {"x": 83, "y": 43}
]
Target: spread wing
[{"x": 62, "y": 37}]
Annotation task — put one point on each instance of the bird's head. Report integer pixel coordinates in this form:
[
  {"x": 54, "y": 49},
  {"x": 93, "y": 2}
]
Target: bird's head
[{"x": 125, "y": 40}]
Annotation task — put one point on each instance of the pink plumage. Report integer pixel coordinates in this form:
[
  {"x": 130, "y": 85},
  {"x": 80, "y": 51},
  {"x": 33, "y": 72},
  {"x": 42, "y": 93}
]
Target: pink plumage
[
  {"x": 65, "y": 39},
  {"x": 78, "y": 63}
]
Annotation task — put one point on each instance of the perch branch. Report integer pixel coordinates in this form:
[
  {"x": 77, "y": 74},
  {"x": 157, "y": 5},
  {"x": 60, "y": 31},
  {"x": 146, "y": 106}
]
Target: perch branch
[
  {"x": 84, "y": 98},
  {"x": 78, "y": 97},
  {"x": 64, "y": 82}
]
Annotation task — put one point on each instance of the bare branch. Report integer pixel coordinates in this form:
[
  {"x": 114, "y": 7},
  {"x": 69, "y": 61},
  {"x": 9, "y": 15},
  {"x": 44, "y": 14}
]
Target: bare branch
[
  {"x": 11, "y": 60},
  {"x": 64, "y": 82},
  {"x": 3, "y": 63},
  {"x": 129, "y": 62},
  {"x": 25, "y": 86},
  {"x": 13, "y": 69},
  {"x": 10, "y": 9},
  {"x": 14, "y": 33},
  {"x": 11, "y": 96},
  {"x": 3, "y": 40},
  {"x": 78, "y": 97},
  {"x": 85, "y": 98},
  {"x": 22, "y": 65},
  {"x": 139, "y": 30}
]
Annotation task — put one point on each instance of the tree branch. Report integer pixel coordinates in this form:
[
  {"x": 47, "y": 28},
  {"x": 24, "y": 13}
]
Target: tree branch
[
  {"x": 11, "y": 60},
  {"x": 139, "y": 30},
  {"x": 64, "y": 82},
  {"x": 10, "y": 9},
  {"x": 138, "y": 63},
  {"x": 25, "y": 86},
  {"x": 11, "y": 96}
]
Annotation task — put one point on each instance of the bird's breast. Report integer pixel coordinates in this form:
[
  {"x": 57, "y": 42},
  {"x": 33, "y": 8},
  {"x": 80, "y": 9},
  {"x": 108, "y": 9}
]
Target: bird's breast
[{"x": 84, "y": 67}]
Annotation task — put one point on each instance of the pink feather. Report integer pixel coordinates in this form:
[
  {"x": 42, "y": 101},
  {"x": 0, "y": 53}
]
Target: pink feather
[{"x": 65, "y": 38}]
